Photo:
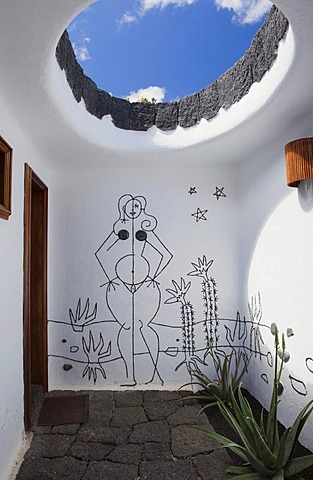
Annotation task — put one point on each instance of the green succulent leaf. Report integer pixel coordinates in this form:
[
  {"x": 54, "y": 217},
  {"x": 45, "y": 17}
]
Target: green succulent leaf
[
  {"x": 225, "y": 442},
  {"x": 209, "y": 405},
  {"x": 240, "y": 470},
  {"x": 296, "y": 465},
  {"x": 266, "y": 455},
  {"x": 291, "y": 435},
  {"x": 229, "y": 371},
  {"x": 263, "y": 452},
  {"x": 279, "y": 475},
  {"x": 249, "y": 476}
]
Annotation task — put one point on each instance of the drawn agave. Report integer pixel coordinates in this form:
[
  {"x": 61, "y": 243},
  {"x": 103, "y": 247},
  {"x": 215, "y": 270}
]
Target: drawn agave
[{"x": 95, "y": 353}]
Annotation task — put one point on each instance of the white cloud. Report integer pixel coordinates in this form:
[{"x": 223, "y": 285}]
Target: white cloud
[
  {"x": 245, "y": 11},
  {"x": 150, "y": 92},
  {"x": 145, "y": 5},
  {"x": 75, "y": 24},
  {"x": 81, "y": 52},
  {"x": 80, "y": 48},
  {"x": 127, "y": 18},
  {"x": 149, "y": 4}
]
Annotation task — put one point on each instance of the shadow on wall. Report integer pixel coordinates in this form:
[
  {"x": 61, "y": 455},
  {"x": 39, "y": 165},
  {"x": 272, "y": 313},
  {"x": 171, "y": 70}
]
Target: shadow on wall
[{"x": 282, "y": 269}]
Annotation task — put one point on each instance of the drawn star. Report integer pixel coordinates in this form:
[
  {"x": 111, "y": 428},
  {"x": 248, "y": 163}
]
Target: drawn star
[
  {"x": 219, "y": 193},
  {"x": 192, "y": 190},
  {"x": 199, "y": 214}
]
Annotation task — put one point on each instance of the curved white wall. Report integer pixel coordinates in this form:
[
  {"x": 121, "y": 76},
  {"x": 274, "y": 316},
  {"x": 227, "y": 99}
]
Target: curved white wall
[{"x": 279, "y": 265}]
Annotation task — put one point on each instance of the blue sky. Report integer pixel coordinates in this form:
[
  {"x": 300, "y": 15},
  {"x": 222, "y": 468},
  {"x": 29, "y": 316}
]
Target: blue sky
[{"x": 165, "y": 49}]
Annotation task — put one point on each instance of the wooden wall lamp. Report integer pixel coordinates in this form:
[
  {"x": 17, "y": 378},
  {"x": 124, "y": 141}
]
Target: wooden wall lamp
[{"x": 299, "y": 161}]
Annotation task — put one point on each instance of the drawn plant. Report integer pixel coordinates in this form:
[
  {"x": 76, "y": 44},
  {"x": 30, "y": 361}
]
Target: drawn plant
[
  {"x": 82, "y": 317},
  {"x": 95, "y": 353},
  {"x": 178, "y": 294},
  {"x": 210, "y": 299},
  {"x": 255, "y": 314},
  {"x": 239, "y": 333},
  {"x": 266, "y": 454}
]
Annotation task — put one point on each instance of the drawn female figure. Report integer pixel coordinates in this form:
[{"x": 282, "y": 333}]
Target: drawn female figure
[{"x": 132, "y": 257}]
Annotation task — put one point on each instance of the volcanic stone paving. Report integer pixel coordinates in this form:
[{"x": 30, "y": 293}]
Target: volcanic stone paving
[{"x": 130, "y": 435}]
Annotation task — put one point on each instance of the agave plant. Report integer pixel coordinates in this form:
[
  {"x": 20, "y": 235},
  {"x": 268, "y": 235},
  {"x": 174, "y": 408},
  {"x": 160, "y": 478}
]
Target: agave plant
[
  {"x": 229, "y": 372},
  {"x": 266, "y": 454}
]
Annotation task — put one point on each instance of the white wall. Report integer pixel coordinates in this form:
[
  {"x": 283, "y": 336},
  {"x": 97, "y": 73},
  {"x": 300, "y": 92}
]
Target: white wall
[
  {"x": 277, "y": 262},
  {"x": 11, "y": 297},
  {"x": 84, "y": 207}
]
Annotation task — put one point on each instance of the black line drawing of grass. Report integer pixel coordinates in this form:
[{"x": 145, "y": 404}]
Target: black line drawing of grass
[
  {"x": 239, "y": 333},
  {"x": 82, "y": 318},
  {"x": 255, "y": 314}
]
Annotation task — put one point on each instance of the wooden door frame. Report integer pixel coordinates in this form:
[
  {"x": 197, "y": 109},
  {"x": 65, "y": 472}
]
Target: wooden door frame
[{"x": 31, "y": 179}]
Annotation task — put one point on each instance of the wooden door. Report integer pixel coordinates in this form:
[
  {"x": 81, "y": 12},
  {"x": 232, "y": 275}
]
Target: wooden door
[{"x": 35, "y": 287}]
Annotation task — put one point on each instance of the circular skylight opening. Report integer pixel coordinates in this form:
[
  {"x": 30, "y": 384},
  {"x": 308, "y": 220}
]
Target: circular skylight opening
[
  {"x": 162, "y": 49},
  {"x": 219, "y": 107}
]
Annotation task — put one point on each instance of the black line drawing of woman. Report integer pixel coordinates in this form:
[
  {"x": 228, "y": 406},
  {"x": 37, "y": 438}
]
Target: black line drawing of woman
[{"x": 132, "y": 257}]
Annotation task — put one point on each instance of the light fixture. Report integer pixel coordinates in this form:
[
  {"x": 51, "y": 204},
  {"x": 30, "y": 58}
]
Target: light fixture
[{"x": 299, "y": 161}]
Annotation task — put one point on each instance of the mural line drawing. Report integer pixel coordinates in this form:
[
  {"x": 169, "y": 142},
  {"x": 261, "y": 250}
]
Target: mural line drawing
[
  {"x": 178, "y": 294},
  {"x": 82, "y": 317},
  {"x": 199, "y": 215},
  {"x": 264, "y": 377},
  {"x": 309, "y": 364},
  {"x": 192, "y": 190},
  {"x": 132, "y": 258},
  {"x": 219, "y": 192},
  {"x": 221, "y": 334},
  {"x": 95, "y": 353},
  {"x": 298, "y": 386},
  {"x": 210, "y": 299}
]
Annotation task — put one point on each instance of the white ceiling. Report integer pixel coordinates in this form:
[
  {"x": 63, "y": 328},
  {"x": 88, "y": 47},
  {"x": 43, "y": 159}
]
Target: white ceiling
[{"x": 34, "y": 89}]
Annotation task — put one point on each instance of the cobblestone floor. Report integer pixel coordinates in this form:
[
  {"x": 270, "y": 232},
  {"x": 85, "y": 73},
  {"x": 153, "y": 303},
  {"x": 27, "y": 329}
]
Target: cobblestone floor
[{"x": 130, "y": 435}]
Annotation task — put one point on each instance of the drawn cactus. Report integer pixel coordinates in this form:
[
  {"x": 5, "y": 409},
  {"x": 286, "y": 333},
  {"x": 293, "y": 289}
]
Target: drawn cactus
[
  {"x": 210, "y": 300},
  {"x": 178, "y": 294},
  {"x": 82, "y": 318},
  {"x": 95, "y": 353},
  {"x": 188, "y": 321}
]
